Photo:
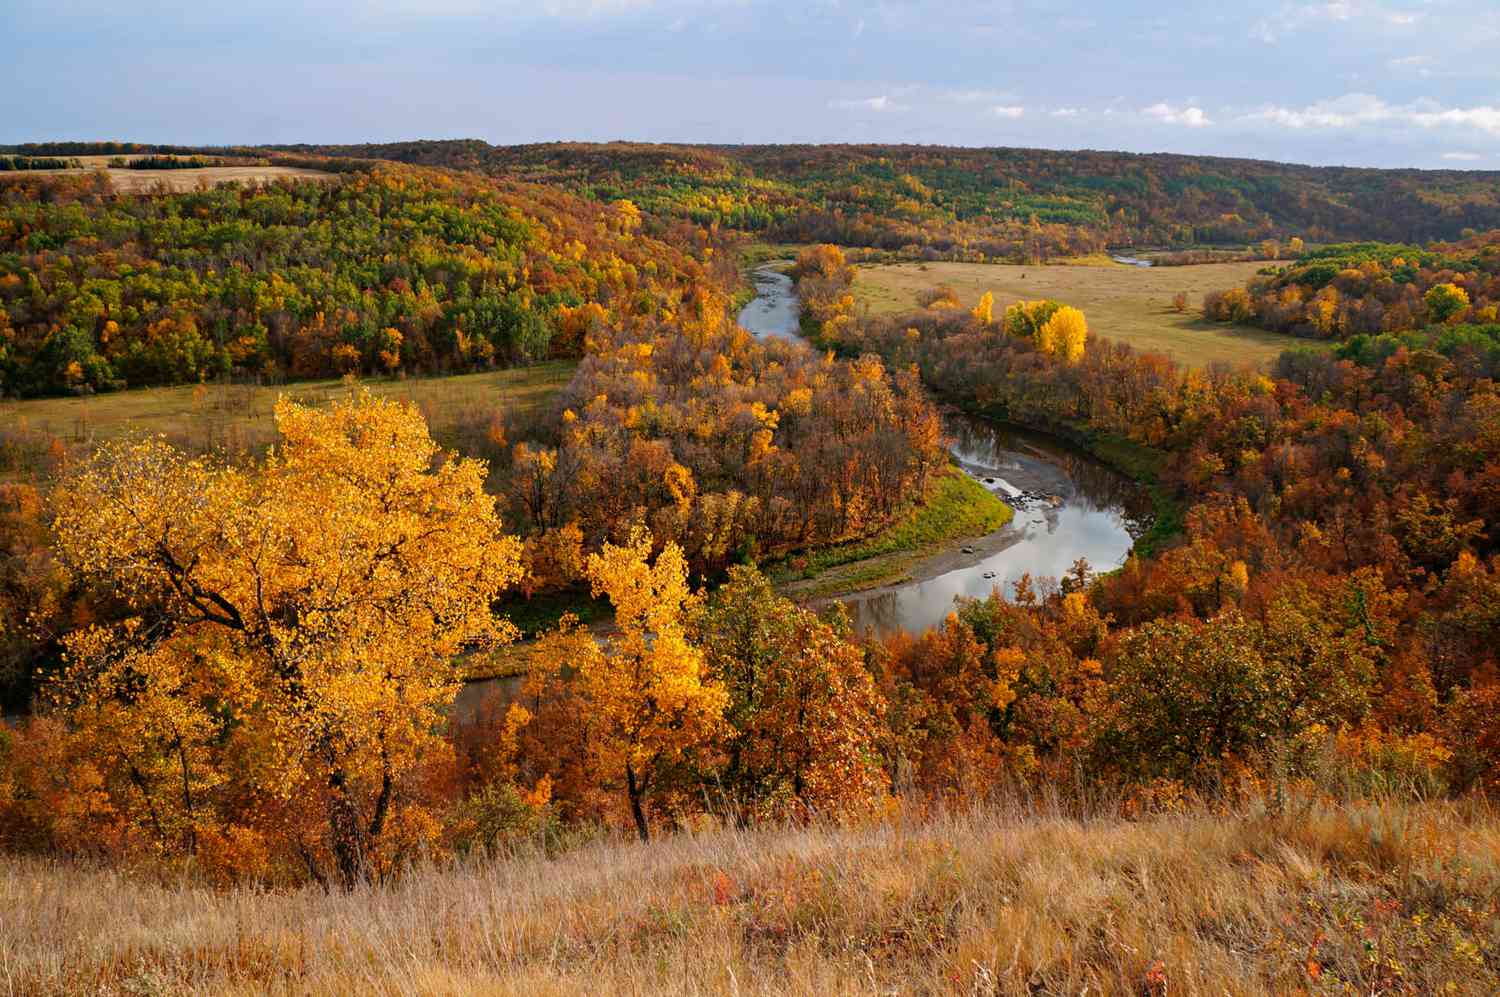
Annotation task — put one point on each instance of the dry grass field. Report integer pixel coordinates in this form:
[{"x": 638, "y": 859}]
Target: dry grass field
[
  {"x": 238, "y": 417},
  {"x": 139, "y": 181},
  {"x": 1133, "y": 304},
  {"x": 1399, "y": 899}
]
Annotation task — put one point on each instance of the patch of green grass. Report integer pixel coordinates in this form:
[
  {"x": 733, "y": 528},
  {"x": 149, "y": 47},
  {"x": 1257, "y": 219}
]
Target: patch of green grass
[
  {"x": 541, "y": 613},
  {"x": 753, "y": 254},
  {"x": 956, "y": 507}
]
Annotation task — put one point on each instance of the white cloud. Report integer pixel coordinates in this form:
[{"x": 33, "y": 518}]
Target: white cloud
[
  {"x": 1188, "y": 117},
  {"x": 1409, "y": 61},
  {"x": 1008, "y": 111},
  {"x": 1361, "y": 109},
  {"x": 1344, "y": 112},
  {"x": 976, "y": 96},
  {"x": 1294, "y": 16},
  {"x": 1463, "y": 157},
  {"x": 1066, "y": 112},
  {"x": 880, "y": 104},
  {"x": 1485, "y": 119}
]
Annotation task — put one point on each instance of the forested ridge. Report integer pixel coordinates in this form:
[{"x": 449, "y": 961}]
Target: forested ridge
[
  {"x": 982, "y": 204},
  {"x": 390, "y": 269},
  {"x": 1371, "y": 289}
]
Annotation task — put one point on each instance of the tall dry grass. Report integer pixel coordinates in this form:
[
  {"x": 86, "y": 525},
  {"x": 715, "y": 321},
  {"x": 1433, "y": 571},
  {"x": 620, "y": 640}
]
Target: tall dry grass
[{"x": 1370, "y": 899}]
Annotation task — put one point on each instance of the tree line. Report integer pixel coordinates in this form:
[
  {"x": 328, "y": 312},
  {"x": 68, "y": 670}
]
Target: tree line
[
  {"x": 984, "y": 204},
  {"x": 1366, "y": 289}
]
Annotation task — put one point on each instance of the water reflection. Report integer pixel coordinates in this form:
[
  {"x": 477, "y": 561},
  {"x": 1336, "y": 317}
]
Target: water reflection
[{"x": 1067, "y": 507}]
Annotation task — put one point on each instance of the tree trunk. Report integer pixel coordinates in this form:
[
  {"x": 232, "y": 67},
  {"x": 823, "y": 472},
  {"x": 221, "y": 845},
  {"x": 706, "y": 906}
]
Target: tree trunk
[
  {"x": 348, "y": 837},
  {"x": 637, "y": 791}
]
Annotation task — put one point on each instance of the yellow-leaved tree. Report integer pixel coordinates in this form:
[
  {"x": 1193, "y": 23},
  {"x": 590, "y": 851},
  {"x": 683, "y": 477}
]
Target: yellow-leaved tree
[
  {"x": 1064, "y": 334},
  {"x": 644, "y": 699},
  {"x": 984, "y": 312},
  {"x": 291, "y": 630}
]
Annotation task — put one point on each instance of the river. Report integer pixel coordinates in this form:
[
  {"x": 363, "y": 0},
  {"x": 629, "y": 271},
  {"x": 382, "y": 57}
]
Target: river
[
  {"x": 775, "y": 313},
  {"x": 1068, "y": 506}
]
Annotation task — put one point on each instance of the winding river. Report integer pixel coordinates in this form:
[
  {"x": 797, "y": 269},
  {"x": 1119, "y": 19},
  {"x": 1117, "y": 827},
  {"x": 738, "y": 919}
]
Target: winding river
[{"x": 1068, "y": 506}]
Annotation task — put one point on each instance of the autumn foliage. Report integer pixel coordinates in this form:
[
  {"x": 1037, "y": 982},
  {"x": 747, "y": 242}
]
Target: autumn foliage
[
  {"x": 287, "y": 637},
  {"x": 248, "y": 668},
  {"x": 384, "y": 269}
]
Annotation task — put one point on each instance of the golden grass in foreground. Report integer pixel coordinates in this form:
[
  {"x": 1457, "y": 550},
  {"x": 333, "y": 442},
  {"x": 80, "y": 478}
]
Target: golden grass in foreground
[
  {"x": 1130, "y": 304},
  {"x": 201, "y": 417},
  {"x": 1368, "y": 900}
]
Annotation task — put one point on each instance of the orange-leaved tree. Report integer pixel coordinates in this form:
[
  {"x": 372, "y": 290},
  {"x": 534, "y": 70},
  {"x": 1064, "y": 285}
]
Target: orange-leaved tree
[
  {"x": 292, "y": 631},
  {"x": 805, "y": 716},
  {"x": 644, "y": 699}
]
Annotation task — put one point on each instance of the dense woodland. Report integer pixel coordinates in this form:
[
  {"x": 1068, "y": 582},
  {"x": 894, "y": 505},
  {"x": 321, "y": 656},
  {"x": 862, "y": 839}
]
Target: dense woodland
[
  {"x": 390, "y": 270},
  {"x": 243, "y": 667},
  {"x": 985, "y": 204},
  {"x": 37, "y": 163},
  {"x": 1366, "y": 289},
  {"x": 1336, "y": 584}
]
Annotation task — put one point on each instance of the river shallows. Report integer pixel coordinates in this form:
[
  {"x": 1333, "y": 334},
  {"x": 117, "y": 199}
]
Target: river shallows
[
  {"x": 775, "y": 312},
  {"x": 1067, "y": 507}
]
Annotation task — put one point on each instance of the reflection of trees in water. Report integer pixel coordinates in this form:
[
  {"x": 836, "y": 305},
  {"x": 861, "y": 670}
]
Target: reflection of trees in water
[
  {"x": 1091, "y": 484},
  {"x": 877, "y": 613}
]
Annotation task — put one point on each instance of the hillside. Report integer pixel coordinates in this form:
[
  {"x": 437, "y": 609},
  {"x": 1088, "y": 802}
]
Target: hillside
[
  {"x": 384, "y": 269},
  {"x": 1006, "y": 901},
  {"x": 1345, "y": 291},
  {"x": 966, "y": 203}
]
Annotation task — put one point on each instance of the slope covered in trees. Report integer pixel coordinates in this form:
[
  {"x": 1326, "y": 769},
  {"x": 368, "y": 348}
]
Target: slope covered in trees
[
  {"x": 1370, "y": 288},
  {"x": 389, "y": 269},
  {"x": 982, "y": 204},
  {"x": 1337, "y": 569}
]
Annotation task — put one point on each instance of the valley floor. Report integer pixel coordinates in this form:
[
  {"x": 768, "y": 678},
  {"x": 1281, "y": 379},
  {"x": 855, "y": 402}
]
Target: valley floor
[
  {"x": 1124, "y": 303},
  {"x": 1011, "y": 900}
]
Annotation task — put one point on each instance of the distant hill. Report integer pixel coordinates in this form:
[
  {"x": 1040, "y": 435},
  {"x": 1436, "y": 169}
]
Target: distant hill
[
  {"x": 985, "y": 203},
  {"x": 371, "y": 271}
]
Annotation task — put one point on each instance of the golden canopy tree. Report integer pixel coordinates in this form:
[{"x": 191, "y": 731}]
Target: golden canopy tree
[
  {"x": 293, "y": 624},
  {"x": 1064, "y": 334},
  {"x": 1446, "y": 301},
  {"x": 984, "y": 311},
  {"x": 645, "y": 699}
]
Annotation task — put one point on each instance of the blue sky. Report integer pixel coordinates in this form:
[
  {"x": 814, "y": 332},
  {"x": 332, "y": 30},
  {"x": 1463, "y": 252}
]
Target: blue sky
[{"x": 1357, "y": 82}]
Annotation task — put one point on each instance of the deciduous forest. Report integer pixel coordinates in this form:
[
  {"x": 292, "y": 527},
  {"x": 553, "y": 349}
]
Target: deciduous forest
[
  {"x": 237, "y": 669},
  {"x": 985, "y": 204}
]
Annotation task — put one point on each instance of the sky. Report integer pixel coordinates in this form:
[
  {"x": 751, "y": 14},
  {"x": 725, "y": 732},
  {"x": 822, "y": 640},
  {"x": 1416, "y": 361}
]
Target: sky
[{"x": 1387, "y": 83}]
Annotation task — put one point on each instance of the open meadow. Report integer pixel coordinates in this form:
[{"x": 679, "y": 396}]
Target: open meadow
[
  {"x": 1133, "y": 304},
  {"x": 237, "y": 417},
  {"x": 128, "y": 181}
]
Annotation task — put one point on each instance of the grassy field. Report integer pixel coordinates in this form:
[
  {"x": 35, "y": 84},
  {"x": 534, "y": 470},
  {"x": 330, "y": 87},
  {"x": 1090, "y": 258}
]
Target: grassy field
[
  {"x": 957, "y": 507},
  {"x": 1015, "y": 899},
  {"x": 238, "y": 417},
  {"x": 1133, "y": 304},
  {"x": 136, "y": 181}
]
